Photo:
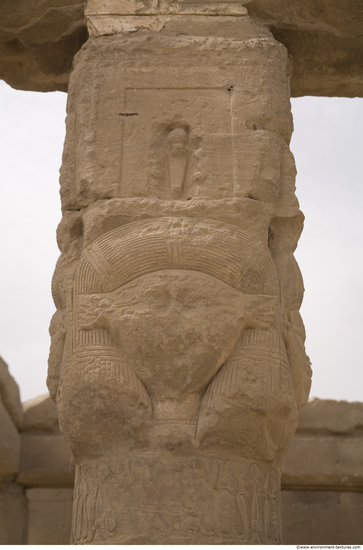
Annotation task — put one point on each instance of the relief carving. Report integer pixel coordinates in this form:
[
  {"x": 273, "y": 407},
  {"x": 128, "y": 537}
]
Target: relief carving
[
  {"x": 171, "y": 157},
  {"x": 238, "y": 501},
  {"x": 139, "y": 321},
  {"x": 178, "y": 154},
  {"x": 175, "y": 351}
]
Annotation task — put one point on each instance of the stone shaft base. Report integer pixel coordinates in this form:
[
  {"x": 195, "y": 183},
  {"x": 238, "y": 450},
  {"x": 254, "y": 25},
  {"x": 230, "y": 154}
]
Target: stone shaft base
[{"x": 164, "y": 498}]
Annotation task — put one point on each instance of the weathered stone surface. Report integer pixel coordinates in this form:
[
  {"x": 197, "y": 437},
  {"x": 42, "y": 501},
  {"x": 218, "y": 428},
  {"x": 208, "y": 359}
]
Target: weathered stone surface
[
  {"x": 40, "y": 414},
  {"x": 324, "y": 39},
  {"x": 325, "y": 416},
  {"x": 50, "y": 515},
  {"x": 325, "y": 42},
  {"x": 316, "y": 461},
  {"x": 9, "y": 446},
  {"x": 9, "y": 395},
  {"x": 13, "y": 514},
  {"x": 177, "y": 347},
  {"x": 266, "y": 123},
  {"x": 38, "y": 40},
  {"x": 308, "y": 517},
  {"x": 45, "y": 462},
  {"x": 327, "y": 450},
  {"x": 322, "y": 517}
]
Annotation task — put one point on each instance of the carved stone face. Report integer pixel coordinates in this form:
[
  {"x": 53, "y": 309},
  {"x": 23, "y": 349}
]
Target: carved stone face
[
  {"x": 177, "y": 140},
  {"x": 173, "y": 328}
]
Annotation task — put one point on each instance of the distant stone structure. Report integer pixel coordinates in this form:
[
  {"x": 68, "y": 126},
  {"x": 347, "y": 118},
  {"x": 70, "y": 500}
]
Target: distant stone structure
[{"x": 177, "y": 361}]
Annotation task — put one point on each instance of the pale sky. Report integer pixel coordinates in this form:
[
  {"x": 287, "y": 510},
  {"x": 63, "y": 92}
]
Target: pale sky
[{"x": 327, "y": 145}]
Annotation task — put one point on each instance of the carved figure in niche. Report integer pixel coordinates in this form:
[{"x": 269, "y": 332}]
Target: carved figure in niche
[
  {"x": 170, "y": 160},
  {"x": 178, "y": 154},
  {"x": 161, "y": 311}
]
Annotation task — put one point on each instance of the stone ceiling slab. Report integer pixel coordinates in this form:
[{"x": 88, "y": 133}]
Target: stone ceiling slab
[{"x": 39, "y": 39}]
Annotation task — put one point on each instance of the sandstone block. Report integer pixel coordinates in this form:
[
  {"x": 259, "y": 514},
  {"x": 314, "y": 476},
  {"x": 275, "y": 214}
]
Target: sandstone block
[
  {"x": 9, "y": 394},
  {"x": 40, "y": 414},
  {"x": 322, "y": 517},
  {"x": 38, "y": 40},
  {"x": 318, "y": 461},
  {"x": 44, "y": 462},
  {"x": 9, "y": 446},
  {"x": 13, "y": 514},
  {"x": 177, "y": 348},
  {"x": 103, "y": 216},
  {"x": 330, "y": 417},
  {"x": 325, "y": 43},
  {"x": 202, "y": 145},
  {"x": 50, "y": 515}
]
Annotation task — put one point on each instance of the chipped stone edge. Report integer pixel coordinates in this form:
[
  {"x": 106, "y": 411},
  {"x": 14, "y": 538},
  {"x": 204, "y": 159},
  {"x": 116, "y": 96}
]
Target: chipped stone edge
[{"x": 107, "y": 24}]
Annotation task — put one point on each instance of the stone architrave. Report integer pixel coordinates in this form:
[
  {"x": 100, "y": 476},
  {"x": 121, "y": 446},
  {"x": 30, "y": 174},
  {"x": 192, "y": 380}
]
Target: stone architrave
[{"x": 177, "y": 360}]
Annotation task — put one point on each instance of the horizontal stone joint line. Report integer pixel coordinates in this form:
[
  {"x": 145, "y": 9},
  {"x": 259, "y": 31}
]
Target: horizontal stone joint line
[{"x": 182, "y": 13}]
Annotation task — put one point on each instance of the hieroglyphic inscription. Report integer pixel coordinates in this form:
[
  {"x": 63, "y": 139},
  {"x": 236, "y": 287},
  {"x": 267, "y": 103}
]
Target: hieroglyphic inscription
[
  {"x": 93, "y": 517},
  {"x": 243, "y": 509},
  {"x": 237, "y": 501}
]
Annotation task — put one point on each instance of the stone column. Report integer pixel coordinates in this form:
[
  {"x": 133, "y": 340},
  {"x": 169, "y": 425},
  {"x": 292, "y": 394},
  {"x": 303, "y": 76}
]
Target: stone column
[{"x": 177, "y": 360}]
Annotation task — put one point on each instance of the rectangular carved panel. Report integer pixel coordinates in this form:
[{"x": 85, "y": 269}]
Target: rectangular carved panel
[{"x": 177, "y": 143}]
